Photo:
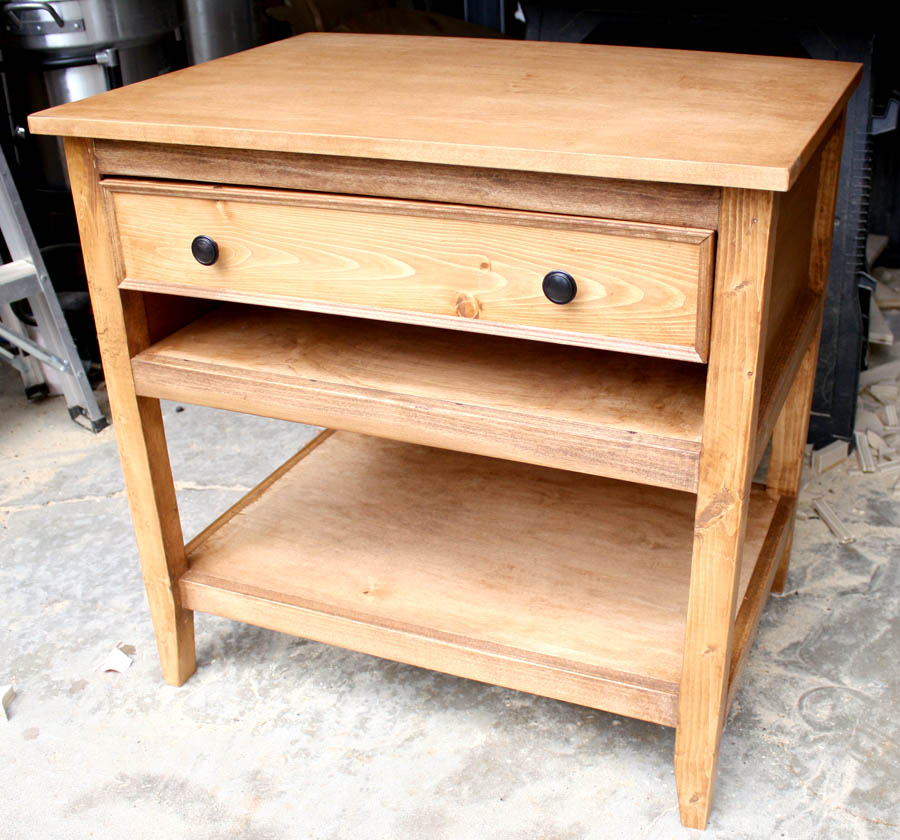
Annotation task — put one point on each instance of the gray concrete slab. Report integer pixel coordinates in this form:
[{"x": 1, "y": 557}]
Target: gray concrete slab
[{"x": 276, "y": 737}]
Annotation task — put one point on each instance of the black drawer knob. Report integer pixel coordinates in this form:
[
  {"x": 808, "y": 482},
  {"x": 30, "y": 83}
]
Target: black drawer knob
[
  {"x": 560, "y": 287},
  {"x": 205, "y": 250}
]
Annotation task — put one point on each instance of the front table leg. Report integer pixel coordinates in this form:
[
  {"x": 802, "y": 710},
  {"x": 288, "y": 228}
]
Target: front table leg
[
  {"x": 122, "y": 332},
  {"x": 743, "y": 270}
]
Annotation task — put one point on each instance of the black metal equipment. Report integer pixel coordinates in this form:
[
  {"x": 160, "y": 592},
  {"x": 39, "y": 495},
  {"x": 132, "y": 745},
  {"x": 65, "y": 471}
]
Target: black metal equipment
[{"x": 57, "y": 52}]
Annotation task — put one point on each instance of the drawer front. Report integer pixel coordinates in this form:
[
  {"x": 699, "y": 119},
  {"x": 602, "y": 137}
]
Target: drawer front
[{"x": 640, "y": 288}]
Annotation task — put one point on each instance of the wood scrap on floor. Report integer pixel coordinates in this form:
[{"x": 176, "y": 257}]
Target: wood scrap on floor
[
  {"x": 880, "y": 373},
  {"x": 876, "y": 441},
  {"x": 832, "y": 520},
  {"x": 876, "y": 244},
  {"x": 116, "y": 660},
  {"x": 7, "y": 695},
  {"x": 887, "y": 290},
  {"x": 864, "y": 453},
  {"x": 885, "y": 394},
  {"x": 829, "y": 456},
  {"x": 879, "y": 330},
  {"x": 868, "y": 420}
]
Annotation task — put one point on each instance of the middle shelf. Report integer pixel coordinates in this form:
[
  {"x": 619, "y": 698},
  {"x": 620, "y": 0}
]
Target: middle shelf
[{"x": 591, "y": 411}]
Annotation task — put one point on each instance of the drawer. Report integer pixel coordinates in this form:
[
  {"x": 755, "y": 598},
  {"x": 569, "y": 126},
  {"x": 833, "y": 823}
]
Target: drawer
[{"x": 638, "y": 287}]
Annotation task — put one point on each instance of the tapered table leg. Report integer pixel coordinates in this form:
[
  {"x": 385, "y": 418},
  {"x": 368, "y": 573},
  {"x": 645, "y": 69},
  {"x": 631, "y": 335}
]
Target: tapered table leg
[
  {"x": 122, "y": 332},
  {"x": 744, "y": 267},
  {"x": 789, "y": 437}
]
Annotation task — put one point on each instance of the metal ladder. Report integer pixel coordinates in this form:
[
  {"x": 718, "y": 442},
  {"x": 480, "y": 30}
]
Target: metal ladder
[{"x": 26, "y": 277}]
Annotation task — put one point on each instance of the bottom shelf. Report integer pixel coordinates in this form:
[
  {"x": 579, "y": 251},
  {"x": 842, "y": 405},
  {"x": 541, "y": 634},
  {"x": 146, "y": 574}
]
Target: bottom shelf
[{"x": 547, "y": 581}]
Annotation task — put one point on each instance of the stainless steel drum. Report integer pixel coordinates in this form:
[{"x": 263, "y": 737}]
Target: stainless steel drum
[
  {"x": 218, "y": 27},
  {"x": 66, "y": 25},
  {"x": 60, "y": 51}
]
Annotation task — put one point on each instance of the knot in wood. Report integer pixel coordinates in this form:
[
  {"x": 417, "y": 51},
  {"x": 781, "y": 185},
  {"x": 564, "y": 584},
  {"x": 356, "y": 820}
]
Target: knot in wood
[{"x": 468, "y": 306}]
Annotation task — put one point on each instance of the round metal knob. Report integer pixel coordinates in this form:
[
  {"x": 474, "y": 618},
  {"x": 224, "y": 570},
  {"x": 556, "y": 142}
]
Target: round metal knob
[
  {"x": 205, "y": 250},
  {"x": 559, "y": 287}
]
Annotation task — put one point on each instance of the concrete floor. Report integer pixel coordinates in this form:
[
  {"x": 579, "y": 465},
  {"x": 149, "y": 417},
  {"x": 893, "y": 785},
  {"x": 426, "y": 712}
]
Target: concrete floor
[{"x": 276, "y": 737}]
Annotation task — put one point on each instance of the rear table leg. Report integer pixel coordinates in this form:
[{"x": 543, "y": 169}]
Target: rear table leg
[{"x": 789, "y": 437}]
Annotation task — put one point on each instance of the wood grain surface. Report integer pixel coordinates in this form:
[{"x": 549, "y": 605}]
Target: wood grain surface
[
  {"x": 123, "y": 330},
  {"x": 751, "y": 607},
  {"x": 782, "y": 363},
  {"x": 790, "y": 432},
  {"x": 639, "y": 201},
  {"x": 605, "y": 111},
  {"x": 734, "y": 381},
  {"x": 638, "y": 284},
  {"x": 642, "y": 172},
  {"x": 571, "y": 408},
  {"x": 517, "y": 575},
  {"x": 790, "y": 273}
]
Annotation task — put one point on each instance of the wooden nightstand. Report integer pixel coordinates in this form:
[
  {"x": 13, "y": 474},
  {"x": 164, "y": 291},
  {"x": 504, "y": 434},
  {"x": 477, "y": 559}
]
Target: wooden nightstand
[{"x": 557, "y": 298}]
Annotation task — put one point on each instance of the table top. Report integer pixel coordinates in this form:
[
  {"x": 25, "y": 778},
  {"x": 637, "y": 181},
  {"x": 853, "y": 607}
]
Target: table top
[{"x": 607, "y": 111}]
